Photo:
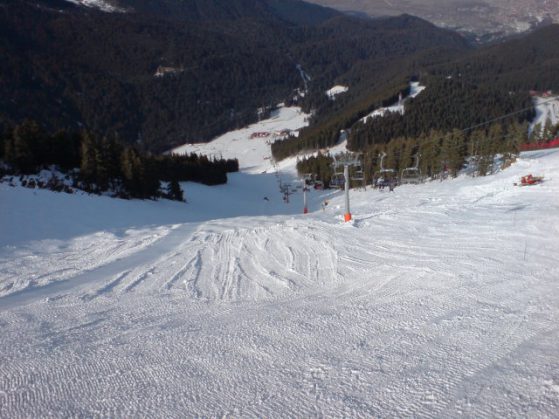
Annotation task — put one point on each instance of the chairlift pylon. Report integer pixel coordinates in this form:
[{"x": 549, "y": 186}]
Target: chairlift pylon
[{"x": 340, "y": 161}]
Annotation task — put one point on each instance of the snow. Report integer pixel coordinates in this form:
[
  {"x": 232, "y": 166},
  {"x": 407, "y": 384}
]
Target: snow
[
  {"x": 304, "y": 76},
  {"x": 415, "y": 89},
  {"x": 546, "y": 108},
  {"x": 251, "y": 145},
  {"x": 97, "y": 4},
  {"x": 437, "y": 300},
  {"x": 335, "y": 91}
]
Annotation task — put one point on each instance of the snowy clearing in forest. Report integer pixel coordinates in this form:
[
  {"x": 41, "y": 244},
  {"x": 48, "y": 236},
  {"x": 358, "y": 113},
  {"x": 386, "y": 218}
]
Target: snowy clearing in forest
[
  {"x": 398, "y": 107},
  {"x": 438, "y": 300},
  {"x": 335, "y": 91}
]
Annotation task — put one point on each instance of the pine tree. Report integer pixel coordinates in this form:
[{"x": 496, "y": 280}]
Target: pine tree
[
  {"x": 107, "y": 156},
  {"x": 101, "y": 165},
  {"x": 486, "y": 156},
  {"x": 174, "y": 191},
  {"x": 3, "y": 138},
  {"x": 63, "y": 149},
  {"x": 132, "y": 172},
  {"x": 428, "y": 148},
  {"x": 8, "y": 149},
  {"x": 140, "y": 174},
  {"x": 547, "y": 133},
  {"x": 26, "y": 146},
  {"x": 497, "y": 138},
  {"x": 536, "y": 134},
  {"x": 88, "y": 161},
  {"x": 476, "y": 143},
  {"x": 516, "y": 136},
  {"x": 453, "y": 151}
]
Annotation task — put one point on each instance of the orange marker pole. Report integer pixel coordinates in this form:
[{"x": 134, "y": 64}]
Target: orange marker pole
[{"x": 347, "y": 216}]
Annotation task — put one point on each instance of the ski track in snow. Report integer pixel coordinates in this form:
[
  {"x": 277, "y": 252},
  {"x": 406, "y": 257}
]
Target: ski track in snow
[{"x": 438, "y": 300}]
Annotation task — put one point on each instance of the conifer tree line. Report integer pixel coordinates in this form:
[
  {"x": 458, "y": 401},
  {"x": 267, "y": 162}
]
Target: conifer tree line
[
  {"x": 100, "y": 164},
  {"x": 442, "y": 153},
  {"x": 445, "y": 104}
]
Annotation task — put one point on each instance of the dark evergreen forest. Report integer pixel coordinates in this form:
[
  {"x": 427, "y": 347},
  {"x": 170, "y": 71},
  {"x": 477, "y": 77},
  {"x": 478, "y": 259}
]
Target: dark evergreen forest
[
  {"x": 105, "y": 164},
  {"x": 462, "y": 92},
  {"x": 74, "y": 67}
]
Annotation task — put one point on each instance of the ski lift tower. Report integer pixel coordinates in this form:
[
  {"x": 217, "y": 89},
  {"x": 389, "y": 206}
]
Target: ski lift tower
[{"x": 346, "y": 161}]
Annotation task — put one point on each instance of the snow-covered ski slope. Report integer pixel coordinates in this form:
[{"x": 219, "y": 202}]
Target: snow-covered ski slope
[
  {"x": 439, "y": 300},
  {"x": 251, "y": 145}
]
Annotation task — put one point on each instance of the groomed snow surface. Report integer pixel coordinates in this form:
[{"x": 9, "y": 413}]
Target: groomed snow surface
[{"x": 438, "y": 300}]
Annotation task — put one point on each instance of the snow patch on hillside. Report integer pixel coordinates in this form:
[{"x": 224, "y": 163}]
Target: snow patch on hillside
[
  {"x": 335, "y": 91},
  {"x": 97, "y": 4},
  {"x": 399, "y": 107}
]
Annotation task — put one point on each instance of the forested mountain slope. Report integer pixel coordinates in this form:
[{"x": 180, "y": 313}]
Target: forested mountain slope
[
  {"x": 71, "y": 67},
  {"x": 470, "y": 88}
]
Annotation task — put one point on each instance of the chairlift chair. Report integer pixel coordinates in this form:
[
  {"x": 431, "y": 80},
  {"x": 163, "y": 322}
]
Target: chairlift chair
[
  {"x": 384, "y": 176},
  {"x": 411, "y": 174},
  {"x": 337, "y": 180},
  {"x": 358, "y": 176},
  {"x": 318, "y": 185}
]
